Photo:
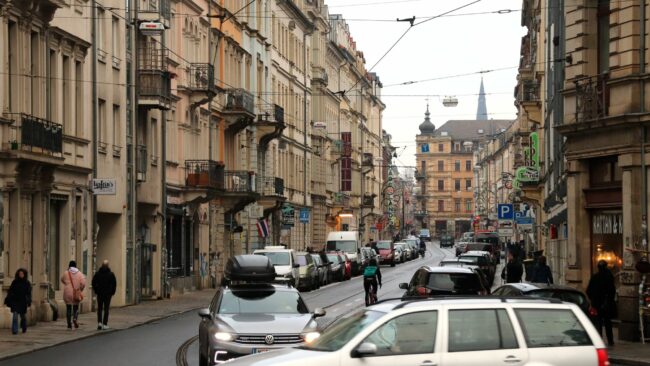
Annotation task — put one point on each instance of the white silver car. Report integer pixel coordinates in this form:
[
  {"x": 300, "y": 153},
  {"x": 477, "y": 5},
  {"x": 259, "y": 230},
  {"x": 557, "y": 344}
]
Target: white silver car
[{"x": 451, "y": 332}]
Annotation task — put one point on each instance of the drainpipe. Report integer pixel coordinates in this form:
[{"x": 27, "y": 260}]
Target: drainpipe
[
  {"x": 304, "y": 127},
  {"x": 163, "y": 174},
  {"x": 93, "y": 30},
  {"x": 644, "y": 172}
]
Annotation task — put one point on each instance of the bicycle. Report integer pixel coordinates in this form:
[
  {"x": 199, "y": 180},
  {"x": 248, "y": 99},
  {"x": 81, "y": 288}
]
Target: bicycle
[{"x": 371, "y": 294}]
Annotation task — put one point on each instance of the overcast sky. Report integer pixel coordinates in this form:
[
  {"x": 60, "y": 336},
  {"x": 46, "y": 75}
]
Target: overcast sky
[{"x": 450, "y": 45}]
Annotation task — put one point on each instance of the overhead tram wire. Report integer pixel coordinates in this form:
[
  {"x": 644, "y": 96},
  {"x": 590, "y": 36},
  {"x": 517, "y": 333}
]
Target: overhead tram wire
[{"x": 412, "y": 24}]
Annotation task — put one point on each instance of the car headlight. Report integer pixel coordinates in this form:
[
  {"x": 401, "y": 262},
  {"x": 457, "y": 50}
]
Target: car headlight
[
  {"x": 223, "y": 336},
  {"x": 310, "y": 336}
]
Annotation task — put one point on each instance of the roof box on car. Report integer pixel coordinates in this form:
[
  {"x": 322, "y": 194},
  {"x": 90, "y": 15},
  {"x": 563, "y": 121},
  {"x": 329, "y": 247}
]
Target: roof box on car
[{"x": 249, "y": 268}]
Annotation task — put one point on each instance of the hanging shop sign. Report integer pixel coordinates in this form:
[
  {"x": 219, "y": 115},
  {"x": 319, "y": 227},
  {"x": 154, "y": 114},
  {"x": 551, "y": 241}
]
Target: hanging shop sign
[{"x": 288, "y": 215}]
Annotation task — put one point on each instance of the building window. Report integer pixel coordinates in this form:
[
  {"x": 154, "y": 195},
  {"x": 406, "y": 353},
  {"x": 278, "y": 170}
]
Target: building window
[
  {"x": 468, "y": 205},
  {"x": 101, "y": 15},
  {"x": 468, "y": 184},
  {"x": 115, "y": 36},
  {"x": 456, "y": 146},
  {"x": 457, "y": 205},
  {"x": 441, "y": 185},
  {"x": 441, "y": 147},
  {"x": 603, "y": 35},
  {"x": 457, "y": 165},
  {"x": 79, "y": 93},
  {"x": 441, "y": 205},
  {"x": 154, "y": 141},
  {"x": 468, "y": 165},
  {"x": 116, "y": 125},
  {"x": 604, "y": 172},
  {"x": 68, "y": 125},
  {"x": 102, "y": 120},
  {"x": 457, "y": 185},
  {"x": 441, "y": 166}
]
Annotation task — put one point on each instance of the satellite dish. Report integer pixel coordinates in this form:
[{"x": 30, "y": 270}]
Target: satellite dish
[{"x": 450, "y": 101}]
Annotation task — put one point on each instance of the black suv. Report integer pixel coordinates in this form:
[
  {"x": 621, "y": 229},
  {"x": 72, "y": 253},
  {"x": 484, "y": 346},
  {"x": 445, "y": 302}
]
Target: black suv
[
  {"x": 431, "y": 281},
  {"x": 446, "y": 240}
]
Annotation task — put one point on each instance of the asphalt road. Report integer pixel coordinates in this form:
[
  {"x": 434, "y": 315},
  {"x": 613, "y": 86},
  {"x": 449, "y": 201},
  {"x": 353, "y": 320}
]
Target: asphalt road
[{"x": 171, "y": 341}]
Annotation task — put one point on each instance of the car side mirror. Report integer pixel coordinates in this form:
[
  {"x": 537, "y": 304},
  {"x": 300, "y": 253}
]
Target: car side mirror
[
  {"x": 205, "y": 314},
  {"x": 364, "y": 349},
  {"x": 318, "y": 312},
  {"x": 404, "y": 286},
  {"x": 296, "y": 265}
]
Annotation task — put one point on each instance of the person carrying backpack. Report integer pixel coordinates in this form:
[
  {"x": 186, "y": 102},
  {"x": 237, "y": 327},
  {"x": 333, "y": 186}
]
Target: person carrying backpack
[{"x": 371, "y": 278}]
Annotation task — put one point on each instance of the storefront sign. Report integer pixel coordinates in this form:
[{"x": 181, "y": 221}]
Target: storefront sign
[
  {"x": 607, "y": 223},
  {"x": 103, "y": 186},
  {"x": 530, "y": 172},
  {"x": 288, "y": 215}
]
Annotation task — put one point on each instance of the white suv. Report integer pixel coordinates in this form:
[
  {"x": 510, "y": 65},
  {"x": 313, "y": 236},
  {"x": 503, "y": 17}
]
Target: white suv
[{"x": 452, "y": 332}]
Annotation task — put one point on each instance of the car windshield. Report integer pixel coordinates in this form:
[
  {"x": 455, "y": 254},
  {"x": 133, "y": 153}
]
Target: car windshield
[
  {"x": 277, "y": 258},
  {"x": 348, "y": 246},
  {"x": 412, "y": 242},
  {"x": 473, "y": 259},
  {"x": 316, "y": 259},
  {"x": 383, "y": 244},
  {"x": 333, "y": 258},
  {"x": 343, "y": 330},
  {"x": 479, "y": 246},
  {"x": 457, "y": 283},
  {"x": 261, "y": 301},
  {"x": 302, "y": 260}
]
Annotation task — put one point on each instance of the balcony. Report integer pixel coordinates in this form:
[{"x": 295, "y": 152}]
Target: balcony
[
  {"x": 239, "y": 109},
  {"x": 592, "y": 98},
  {"x": 154, "y": 80},
  {"x": 239, "y": 190},
  {"x": 207, "y": 174},
  {"x": 420, "y": 214},
  {"x": 368, "y": 201},
  {"x": 30, "y": 137},
  {"x": 155, "y": 11},
  {"x": 269, "y": 124},
  {"x": 141, "y": 162},
  {"x": 271, "y": 190},
  {"x": 527, "y": 92},
  {"x": 419, "y": 176},
  {"x": 337, "y": 148},
  {"x": 421, "y": 196},
  {"x": 340, "y": 199},
  {"x": 200, "y": 82}
]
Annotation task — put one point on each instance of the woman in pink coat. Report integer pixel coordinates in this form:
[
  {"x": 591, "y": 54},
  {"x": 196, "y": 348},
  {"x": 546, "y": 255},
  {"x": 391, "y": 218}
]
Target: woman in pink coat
[{"x": 72, "y": 280}]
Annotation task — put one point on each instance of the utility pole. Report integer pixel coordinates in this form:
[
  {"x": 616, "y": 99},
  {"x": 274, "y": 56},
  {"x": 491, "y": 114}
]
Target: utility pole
[{"x": 93, "y": 31}]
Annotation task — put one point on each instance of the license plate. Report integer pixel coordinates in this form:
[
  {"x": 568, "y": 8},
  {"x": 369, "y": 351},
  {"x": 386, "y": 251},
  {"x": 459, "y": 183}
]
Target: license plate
[{"x": 260, "y": 350}]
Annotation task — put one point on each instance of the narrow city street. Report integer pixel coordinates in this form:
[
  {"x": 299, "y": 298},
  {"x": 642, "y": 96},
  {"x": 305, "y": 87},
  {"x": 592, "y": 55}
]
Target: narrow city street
[{"x": 173, "y": 341}]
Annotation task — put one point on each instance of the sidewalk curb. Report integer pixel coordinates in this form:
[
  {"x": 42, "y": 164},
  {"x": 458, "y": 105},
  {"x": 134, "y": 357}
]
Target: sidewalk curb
[{"x": 97, "y": 334}]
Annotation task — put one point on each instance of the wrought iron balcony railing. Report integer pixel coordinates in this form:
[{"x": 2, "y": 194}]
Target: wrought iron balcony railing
[
  {"x": 201, "y": 77},
  {"x": 153, "y": 77},
  {"x": 592, "y": 98},
  {"x": 528, "y": 91},
  {"x": 419, "y": 214},
  {"x": 154, "y": 10},
  {"x": 239, "y": 181},
  {"x": 367, "y": 160},
  {"x": 368, "y": 200},
  {"x": 419, "y": 175},
  {"x": 204, "y": 174},
  {"x": 339, "y": 198},
  {"x": 273, "y": 113},
  {"x": 270, "y": 186},
  {"x": 36, "y": 135},
  {"x": 239, "y": 100}
]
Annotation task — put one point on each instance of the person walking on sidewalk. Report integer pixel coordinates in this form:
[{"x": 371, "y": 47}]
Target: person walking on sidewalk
[
  {"x": 602, "y": 291},
  {"x": 104, "y": 284},
  {"x": 512, "y": 271},
  {"x": 19, "y": 298},
  {"x": 542, "y": 272},
  {"x": 74, "y": 283}
]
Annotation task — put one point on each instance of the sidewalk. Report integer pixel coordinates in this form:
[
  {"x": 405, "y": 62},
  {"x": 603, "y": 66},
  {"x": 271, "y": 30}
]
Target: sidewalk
[
  {"x": 633, "y": 354},
  {"x": 49, "y": 334}
]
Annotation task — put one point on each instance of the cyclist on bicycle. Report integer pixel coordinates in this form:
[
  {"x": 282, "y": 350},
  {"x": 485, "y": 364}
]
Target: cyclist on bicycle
[{"x": 371, "y": 278}]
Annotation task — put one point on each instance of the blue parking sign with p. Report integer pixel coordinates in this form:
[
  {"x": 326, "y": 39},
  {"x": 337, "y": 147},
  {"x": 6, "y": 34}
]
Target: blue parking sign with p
[{"x": 505, "y": 211}]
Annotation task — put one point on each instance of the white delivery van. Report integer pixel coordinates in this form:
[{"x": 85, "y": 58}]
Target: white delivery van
[
  {"x": 347, "y": 242},
  {"x": 284, "y": 261}
]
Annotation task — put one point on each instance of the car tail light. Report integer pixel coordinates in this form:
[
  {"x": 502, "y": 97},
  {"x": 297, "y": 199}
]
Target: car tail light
[
  {"x": 593, "y": 312},
  {"x": 603, "y": 359}
]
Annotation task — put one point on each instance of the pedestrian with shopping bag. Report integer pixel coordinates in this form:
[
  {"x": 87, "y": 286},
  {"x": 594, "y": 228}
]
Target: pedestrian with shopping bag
[{"x": 74, "y": 283}]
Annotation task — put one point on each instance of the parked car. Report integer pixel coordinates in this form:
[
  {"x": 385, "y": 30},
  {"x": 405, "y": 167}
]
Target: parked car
[
  {"x": 284, "y": 261},
  {"x": 458, "y": 262},
  {"x": 431, "y": 281},
  {"x": 386, "y": 252},
  {"x": 485, "y": 247},
  {"x": 468, "y": 236},
  {"x": 563, "y": 293},
  {"x": 338, "y": 266},
  {"x": 366, "y": 254},
  {"x": 405, "y": 249},
  {"x": 398, "y": 254},
  {"x": 446, "y": 240},
  {"x": 483, "y": 261},
  {"x": 460, "y": 247},
  {"x": 307, "y": 272},
  {"x": 492, "y": 238},
  {"x": 253, "y": 315},
  {"x": 323, "y": 269},
  {"x": 414, "y": 244},
  {"x": 451, "y": 332}
]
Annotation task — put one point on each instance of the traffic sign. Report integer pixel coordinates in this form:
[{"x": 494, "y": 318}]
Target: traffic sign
[
  {"x": 505, "y": 211},
  {"x": 304, "y": 215}
]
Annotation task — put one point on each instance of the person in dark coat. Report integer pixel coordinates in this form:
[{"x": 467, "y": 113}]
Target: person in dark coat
[
  {"x": 513, "y": 271},
  {"x": 104, "y": 284},
  {"x": 19, "y": 298},
  {"x": 602, "y": 292},
  {"x": 542, "y": 272}
]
